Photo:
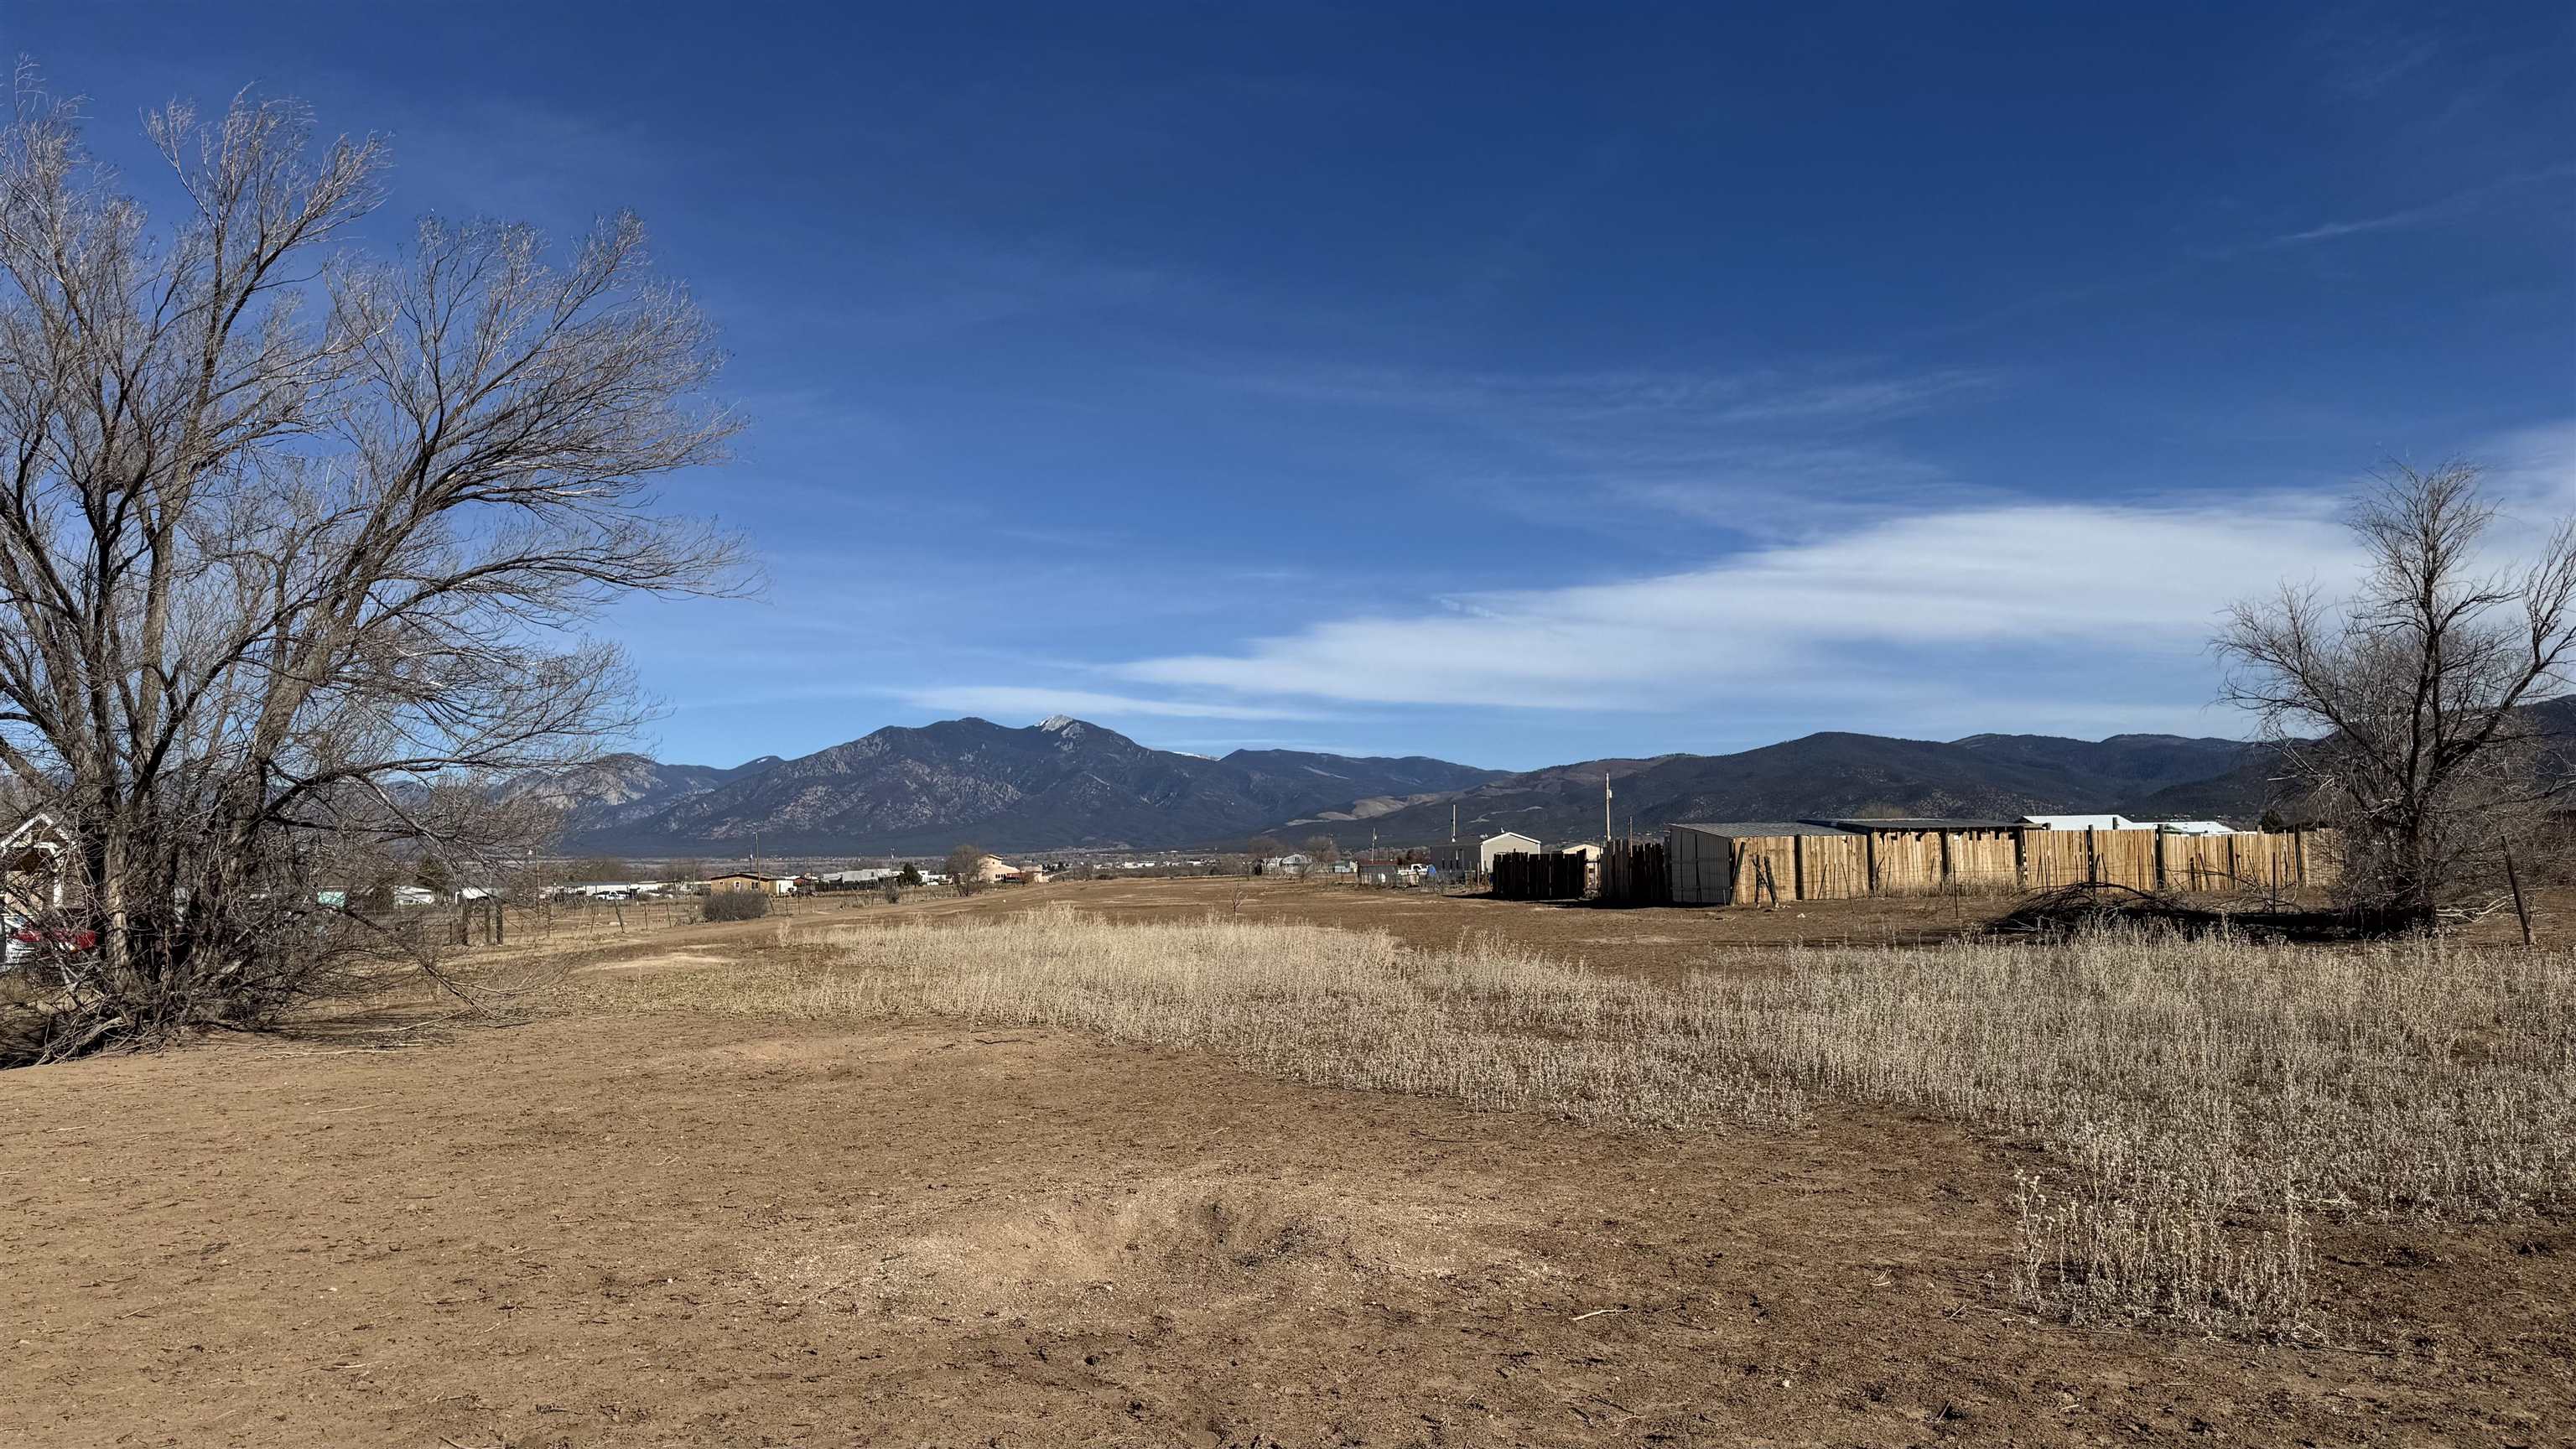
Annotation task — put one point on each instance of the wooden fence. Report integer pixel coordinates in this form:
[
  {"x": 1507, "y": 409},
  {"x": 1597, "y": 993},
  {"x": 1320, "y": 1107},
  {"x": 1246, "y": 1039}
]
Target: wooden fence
[
  {"x": 1633, "y": 873},
  {"x": 2150, "y": 860},
  {"x": 1549, "y": 876},
  {"x": 1924, "y": 862},
  {"x": 1772, "y": 868}
]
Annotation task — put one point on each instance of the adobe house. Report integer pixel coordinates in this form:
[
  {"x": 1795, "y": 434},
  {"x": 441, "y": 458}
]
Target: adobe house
[{"x": 751, "y": 880}]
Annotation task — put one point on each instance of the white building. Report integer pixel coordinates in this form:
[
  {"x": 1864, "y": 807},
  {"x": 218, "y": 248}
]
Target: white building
[
  {"x": 866, "y": 875},
  {"x": 1476, "y": 857},
  {"x": 2123, "y": 822}
]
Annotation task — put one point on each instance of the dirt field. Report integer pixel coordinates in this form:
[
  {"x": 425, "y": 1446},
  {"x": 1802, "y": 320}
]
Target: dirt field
[
  {"x": 1660, "y": 944},
  {"x": 612, "y": 1230}
]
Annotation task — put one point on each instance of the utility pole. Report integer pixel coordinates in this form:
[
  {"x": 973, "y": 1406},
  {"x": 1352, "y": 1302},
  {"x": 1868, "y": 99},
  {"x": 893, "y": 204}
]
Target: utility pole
[
  {"x": 1605, "y": 808},
  {"x": 1453, "y": 825}
]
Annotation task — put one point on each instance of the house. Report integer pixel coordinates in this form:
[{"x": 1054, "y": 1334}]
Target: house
[
  {"x": 31, "y": 876},
  {"x": 1462, "y": 858},
  {"x": 993, "y": 870},
  {"x": 31, "y": 883},
  {"x": 751, "y": 880}
]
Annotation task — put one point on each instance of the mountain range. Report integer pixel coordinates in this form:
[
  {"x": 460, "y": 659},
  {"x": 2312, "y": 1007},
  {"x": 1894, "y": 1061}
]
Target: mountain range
[
  {"x": 1061, "y": 784},
  {"x": 1069, "y": 784}
]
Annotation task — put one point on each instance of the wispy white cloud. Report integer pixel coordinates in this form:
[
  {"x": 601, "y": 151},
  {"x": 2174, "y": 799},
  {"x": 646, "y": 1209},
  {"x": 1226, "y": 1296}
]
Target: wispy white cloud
[
  {"x": 2458, "y": 203},
  {"x": 1012, "y": 701},
  {"x": 2534, "y": 470},
  {"x": 1708, "y": 398},
  {"x": 1748, "y": 448},
  {"x": 1860, "y": 616}
]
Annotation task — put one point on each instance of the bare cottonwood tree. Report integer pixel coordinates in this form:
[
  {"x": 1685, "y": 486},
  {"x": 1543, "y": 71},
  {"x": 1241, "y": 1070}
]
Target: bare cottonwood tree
[
  {"x": 965, "y": 867},
  {"x": 296, "y": 547},
  {"x": 2405, "y": 710}
]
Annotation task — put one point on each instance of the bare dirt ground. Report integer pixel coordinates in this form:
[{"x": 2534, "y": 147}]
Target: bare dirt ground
[{"x": 613, "y": 1230}]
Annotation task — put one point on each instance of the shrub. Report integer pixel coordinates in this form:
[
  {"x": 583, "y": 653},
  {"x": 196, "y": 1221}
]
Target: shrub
[{"x": 737, "y": 906}]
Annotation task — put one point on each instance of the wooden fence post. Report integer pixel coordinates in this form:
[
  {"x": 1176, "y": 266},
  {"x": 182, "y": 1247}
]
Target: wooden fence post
[{"x": 2513, "y": 878}]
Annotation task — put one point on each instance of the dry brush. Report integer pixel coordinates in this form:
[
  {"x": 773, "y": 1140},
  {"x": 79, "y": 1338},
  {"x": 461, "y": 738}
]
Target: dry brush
[{"x": 2199, "y": 1104}]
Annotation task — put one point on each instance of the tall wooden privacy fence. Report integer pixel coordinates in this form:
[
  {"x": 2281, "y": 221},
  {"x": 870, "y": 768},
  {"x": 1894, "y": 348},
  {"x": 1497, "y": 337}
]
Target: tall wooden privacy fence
[
  {"x": 2147, "y": 860},
  {"x": 1712, "y": 865},
  {"x": 1633, "y": 873},
  {"x": 1548, "y": 876}
]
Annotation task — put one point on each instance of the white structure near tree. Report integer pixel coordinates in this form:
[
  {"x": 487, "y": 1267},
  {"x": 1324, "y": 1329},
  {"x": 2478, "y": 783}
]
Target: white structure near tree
[{"x": 1476, "y": 857}]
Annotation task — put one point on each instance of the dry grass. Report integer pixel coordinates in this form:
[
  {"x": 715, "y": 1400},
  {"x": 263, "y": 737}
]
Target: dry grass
[{"x": 2199, "y": 1102}]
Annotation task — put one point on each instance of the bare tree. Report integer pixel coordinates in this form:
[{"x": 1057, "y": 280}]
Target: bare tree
[
  {"x": 2405, "y": 709},
  {"x": 1323, "y": 850},
  {"x": 965, "y": 867},
  {"x": 295, "y": 549}
]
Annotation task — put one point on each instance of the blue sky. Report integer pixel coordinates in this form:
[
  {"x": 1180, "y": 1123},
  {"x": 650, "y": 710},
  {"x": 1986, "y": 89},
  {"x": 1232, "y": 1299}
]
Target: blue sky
[{"x": 1512, "y": 383}]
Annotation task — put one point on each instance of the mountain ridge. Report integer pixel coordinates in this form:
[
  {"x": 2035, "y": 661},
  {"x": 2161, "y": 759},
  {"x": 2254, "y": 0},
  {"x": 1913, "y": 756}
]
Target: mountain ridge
[
  {"x": 1066, "y": 783},
  {"x": 1063, "y": 782}
]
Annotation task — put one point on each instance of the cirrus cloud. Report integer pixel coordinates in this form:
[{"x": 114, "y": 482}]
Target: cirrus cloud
[{"x": 2009, "y": 587}]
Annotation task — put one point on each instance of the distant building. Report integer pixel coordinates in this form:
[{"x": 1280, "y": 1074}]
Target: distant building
[
  {"x": 855, "y": 879},
  {"x": 1591, "y": 863},
  {"x": 1476, "y": 857},
  {"x": 2083, "y": 822},
  {"x": 2123, "y": 822},
  {"x": 751, "y": 880},
  {"x": 31, "y": 883},
  {"x": 31, "y": 878},
  {"x": 1390, "y": 872}
]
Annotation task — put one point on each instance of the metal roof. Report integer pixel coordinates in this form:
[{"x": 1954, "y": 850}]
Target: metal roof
[
  {"x": 1745, "y": 829},
  {"x": 1923, "y": 822}
]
